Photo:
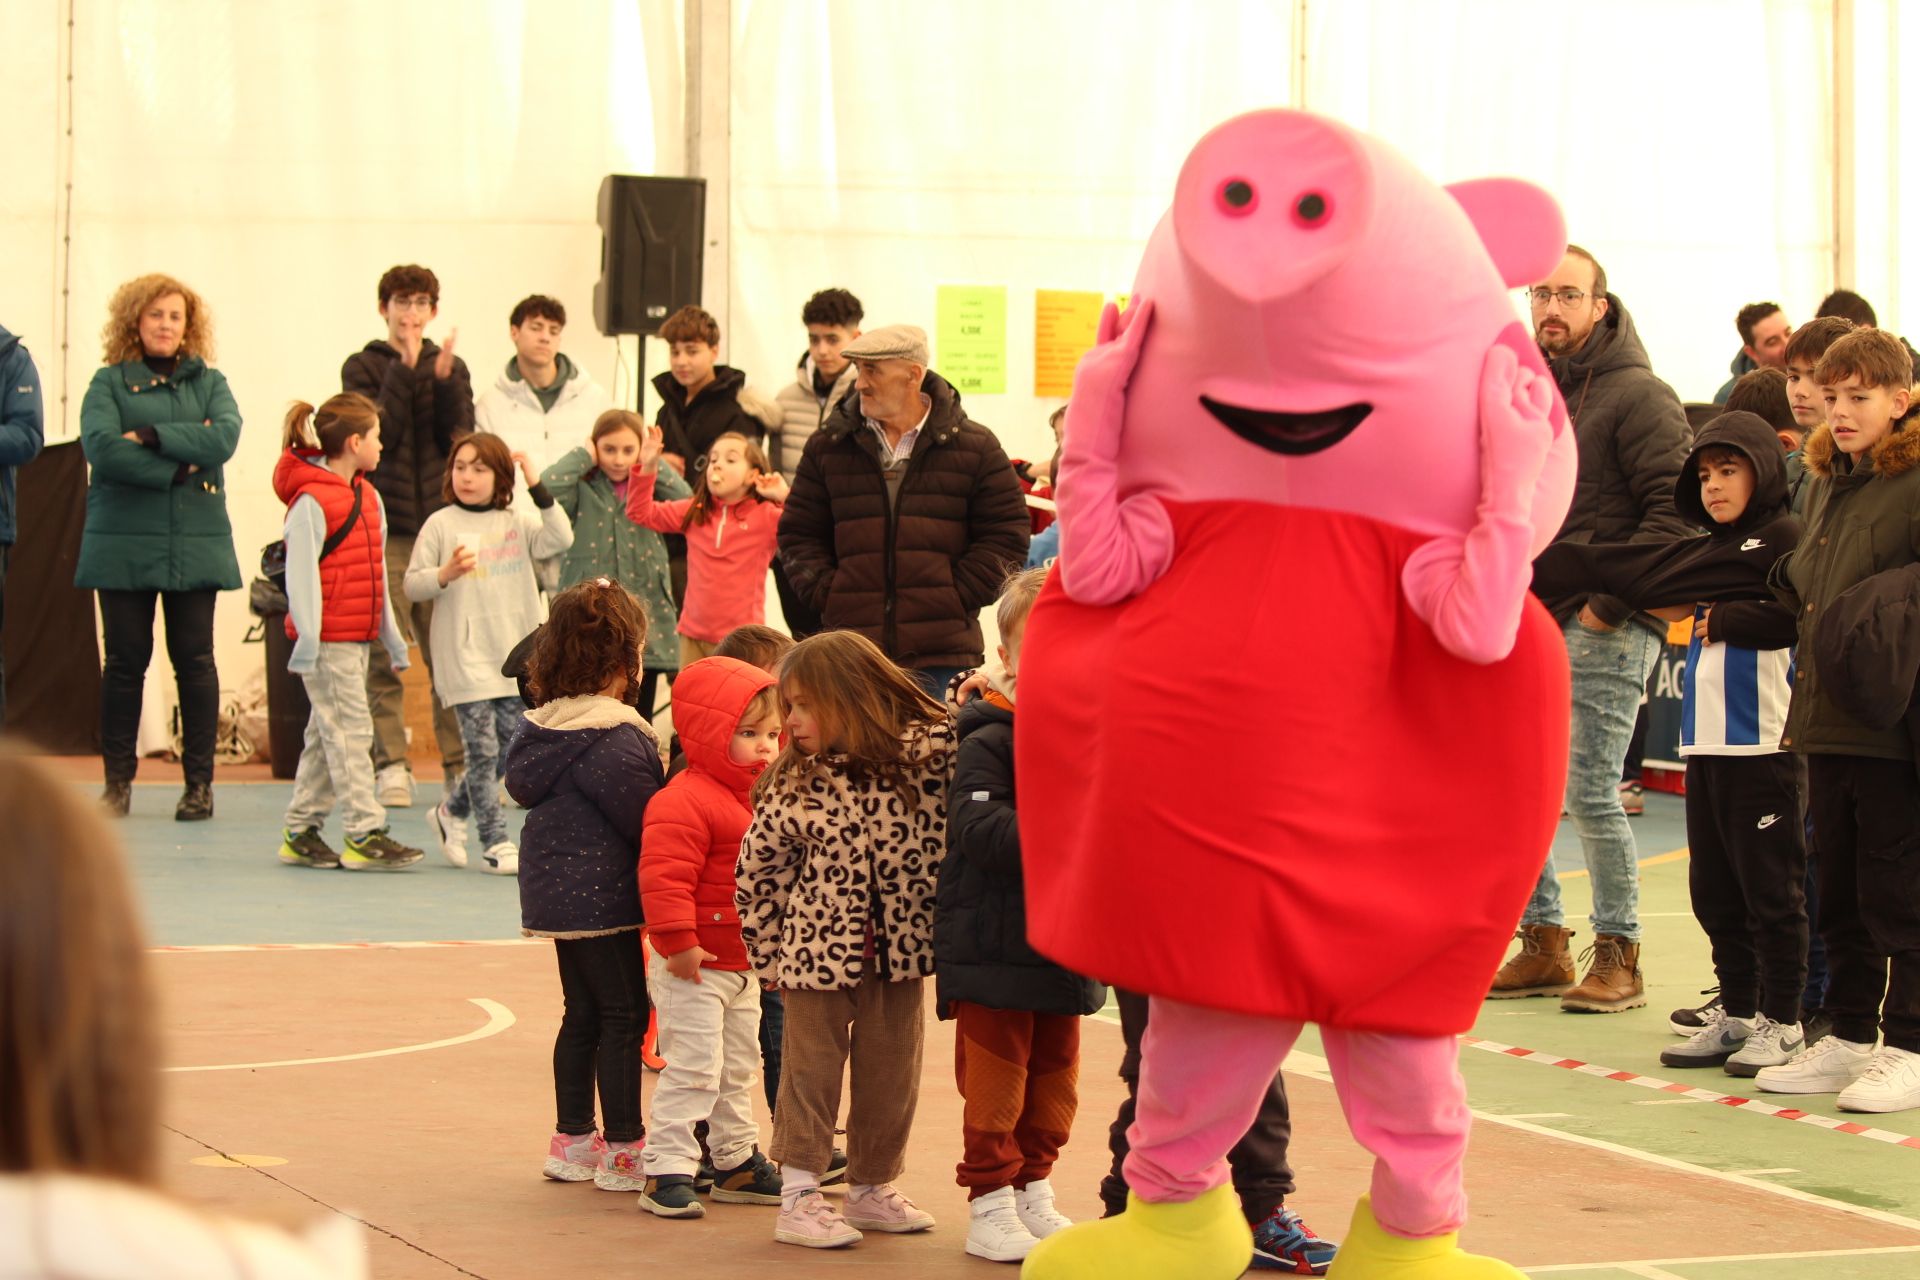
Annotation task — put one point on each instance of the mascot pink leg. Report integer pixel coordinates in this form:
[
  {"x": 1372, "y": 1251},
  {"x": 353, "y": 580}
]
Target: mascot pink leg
[{"x": 1297, "y": 529}]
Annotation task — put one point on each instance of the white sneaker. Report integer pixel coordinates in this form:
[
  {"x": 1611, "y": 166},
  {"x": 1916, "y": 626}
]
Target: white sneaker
[
  {"x": 451, "y": 832},
  {"x": 1771, "y": 1044},
  {"x": 1828, "y": 1065},
  {"x": 1891, "y": 1082},
  {"x": 996, "y": 1231},
  {"x": 502, "y": 859},
  {"x": 393, "y": 787},
  {"x": 1037, "y": 1214}
]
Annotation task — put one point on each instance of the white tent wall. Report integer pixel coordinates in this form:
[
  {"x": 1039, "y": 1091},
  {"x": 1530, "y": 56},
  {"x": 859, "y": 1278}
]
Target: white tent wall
[{"x": 278, "y": 155}]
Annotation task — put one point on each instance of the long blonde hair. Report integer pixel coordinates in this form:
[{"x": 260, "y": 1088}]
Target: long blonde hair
[
  {"x": 79, "y": 1091},
  {"x": 120, "y": 336},
  {"x": 865, "y": 705}
]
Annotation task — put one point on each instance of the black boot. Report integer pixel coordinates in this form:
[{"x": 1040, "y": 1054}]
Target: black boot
[
  {"x": 117, "y": 799},
  {"x": 196, "y": 805}
]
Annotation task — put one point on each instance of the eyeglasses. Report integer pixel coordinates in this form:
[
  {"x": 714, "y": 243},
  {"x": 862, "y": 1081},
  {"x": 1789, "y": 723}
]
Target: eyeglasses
[
  {"x": 420, "y": 302},
  {"x": 1569, "y": 298}
]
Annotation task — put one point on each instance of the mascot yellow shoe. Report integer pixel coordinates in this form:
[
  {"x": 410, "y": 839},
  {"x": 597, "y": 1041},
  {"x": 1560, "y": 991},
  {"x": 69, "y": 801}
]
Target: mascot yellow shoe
[
  {"x": 1203, "y": 1239},
  {"x": 1369, "y": 1253}
]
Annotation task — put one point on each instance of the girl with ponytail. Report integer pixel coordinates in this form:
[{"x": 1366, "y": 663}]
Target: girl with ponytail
[{"x": 336, "y": 536}]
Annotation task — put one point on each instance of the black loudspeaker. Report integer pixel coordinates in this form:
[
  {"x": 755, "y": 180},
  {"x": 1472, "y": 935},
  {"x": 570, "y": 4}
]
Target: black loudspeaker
[{"x": 652, "y": 231}]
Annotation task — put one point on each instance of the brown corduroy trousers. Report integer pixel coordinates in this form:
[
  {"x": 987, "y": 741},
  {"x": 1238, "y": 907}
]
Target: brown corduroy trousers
[{"x": 877, "y": 1026}]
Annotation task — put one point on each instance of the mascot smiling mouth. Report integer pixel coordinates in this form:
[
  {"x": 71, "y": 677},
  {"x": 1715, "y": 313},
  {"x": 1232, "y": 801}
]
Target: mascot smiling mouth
[{"x": 1293, "y": 434}]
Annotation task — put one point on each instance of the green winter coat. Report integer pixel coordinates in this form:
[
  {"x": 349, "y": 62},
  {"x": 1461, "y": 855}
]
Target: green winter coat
[
  {"x": 1865, "y": 520},
  {"x": 606, "y": 542},
  {"x": 151, "y": 524}
]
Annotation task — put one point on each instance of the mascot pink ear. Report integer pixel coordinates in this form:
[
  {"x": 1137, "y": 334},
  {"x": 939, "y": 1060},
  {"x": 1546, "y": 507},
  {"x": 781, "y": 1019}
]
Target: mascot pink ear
[{"x": 1521, "y": 225}]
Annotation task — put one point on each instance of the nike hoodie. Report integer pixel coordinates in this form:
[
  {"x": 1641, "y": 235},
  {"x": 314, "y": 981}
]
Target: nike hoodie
[{"x": 1738, "y": 683}]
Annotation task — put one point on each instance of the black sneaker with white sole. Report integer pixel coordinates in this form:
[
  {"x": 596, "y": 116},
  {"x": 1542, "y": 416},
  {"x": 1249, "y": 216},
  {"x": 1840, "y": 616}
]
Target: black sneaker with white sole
[
  {"x": 672, "y": 1196},
  {"x": 1709, "y": 1046},
  {"x": 1684, "y": 1022},
  {"x": 755, "y": 1182}
]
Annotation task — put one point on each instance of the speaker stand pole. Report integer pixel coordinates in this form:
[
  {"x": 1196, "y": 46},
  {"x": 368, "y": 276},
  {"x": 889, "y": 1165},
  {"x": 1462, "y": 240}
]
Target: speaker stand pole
[{"x": 640, "y": 376}]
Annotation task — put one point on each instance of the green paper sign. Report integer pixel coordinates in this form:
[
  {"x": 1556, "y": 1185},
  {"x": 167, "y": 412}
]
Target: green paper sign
[{"x": 970, "y": 343}]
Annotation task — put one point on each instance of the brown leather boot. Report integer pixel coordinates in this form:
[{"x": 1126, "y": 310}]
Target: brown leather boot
[
  {"x": 1544, "y": 966},
  {"x": 1613, "y": 982}
]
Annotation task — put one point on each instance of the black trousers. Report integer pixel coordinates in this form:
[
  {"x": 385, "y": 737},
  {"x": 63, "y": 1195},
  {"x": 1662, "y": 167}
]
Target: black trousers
[
  {"x": 126, "y": 619},
  {"x": 604, "y": 981},
  {"x": 1866, "y": 823},
  {"x": 1748, "y": 877},
  {"x": 1261, "y": 1176}
]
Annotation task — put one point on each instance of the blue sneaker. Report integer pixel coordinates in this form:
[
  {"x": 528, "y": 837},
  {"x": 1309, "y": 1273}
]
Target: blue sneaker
[{"x": 1282, "y": 1242}]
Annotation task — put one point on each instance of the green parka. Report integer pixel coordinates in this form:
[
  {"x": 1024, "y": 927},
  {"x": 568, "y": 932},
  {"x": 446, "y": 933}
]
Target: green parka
[
  {"x": 606, "y": 542},
  {"x": 153, "y": 523}
]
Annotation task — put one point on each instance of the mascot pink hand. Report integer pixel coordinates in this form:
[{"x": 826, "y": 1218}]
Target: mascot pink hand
[
  {"x": 1470, "y": 590},
  {"x": 1109, "y": 548}
]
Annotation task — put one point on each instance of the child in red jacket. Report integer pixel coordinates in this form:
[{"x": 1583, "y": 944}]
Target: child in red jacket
[{"x": 728, "y": 716}]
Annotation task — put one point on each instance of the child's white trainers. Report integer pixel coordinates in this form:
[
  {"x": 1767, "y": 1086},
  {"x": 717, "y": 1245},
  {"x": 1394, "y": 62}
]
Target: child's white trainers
[
  {"x": 995, "y": 1231},
  {"x": 1828, "y": 1065},
  {"x": 1891, "y": 1082},
  {"x": 1035, "y": 1205},
  {"x": 502, "y": 859},
  {"x": 451, "y": 832}
]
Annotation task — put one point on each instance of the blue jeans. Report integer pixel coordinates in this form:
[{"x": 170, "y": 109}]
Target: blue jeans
[
  {"x": 486, "y": 731},
  {"x": 1609, "y": 676}
]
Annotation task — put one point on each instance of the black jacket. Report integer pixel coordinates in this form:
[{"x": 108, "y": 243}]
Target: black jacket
[
  {"x": 420, "y": 418},
  {"x": 980, "y": 949},
  {"x": 691, "y": 429},
  {"x": 1727, "y": 567},
  {"x": 1632, "y": 437},
  {"x": 910, "y": 574},
  {"x": 1868, "y": 643},
  {"x": 585, "y": 768}
]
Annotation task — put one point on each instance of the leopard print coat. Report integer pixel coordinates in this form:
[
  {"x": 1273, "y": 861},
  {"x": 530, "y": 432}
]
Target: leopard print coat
[{"x": 823, "y": 848}]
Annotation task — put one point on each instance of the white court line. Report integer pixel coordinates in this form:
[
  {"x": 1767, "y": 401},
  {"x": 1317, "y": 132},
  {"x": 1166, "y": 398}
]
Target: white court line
[
  {"x": 499, "y": 1018},
  {"x": 1880, "y": 1251},
  {"x": 1646, "y": 1271},
  {"x": 230, "y": 948}
]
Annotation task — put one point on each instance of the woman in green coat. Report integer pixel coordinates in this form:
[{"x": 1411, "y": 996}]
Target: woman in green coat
[
  {"x": 158, "y": 425},
  {"x": 607, "y": 544}
]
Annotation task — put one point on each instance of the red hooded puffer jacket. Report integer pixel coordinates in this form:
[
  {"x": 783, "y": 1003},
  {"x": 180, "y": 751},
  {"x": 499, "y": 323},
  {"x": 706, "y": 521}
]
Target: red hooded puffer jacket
[
  {"x": 353, "y": 578},
  {"x": 691, "y": 840}
]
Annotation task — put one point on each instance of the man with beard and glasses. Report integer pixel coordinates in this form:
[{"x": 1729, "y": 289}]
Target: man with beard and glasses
[{"x": 1633, "y": 441}]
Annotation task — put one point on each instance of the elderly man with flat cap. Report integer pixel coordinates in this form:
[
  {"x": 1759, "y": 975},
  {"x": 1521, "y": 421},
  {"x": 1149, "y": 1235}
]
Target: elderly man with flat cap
[{"x": 905, "y": 516}]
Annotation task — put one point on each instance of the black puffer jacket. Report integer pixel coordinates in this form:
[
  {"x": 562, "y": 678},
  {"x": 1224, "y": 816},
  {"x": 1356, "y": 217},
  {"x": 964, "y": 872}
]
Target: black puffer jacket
[
  {"x": 723, "y": 405},
  {"x": 912, "y": 576},
  {"x": 980, "y": 949},
  {"x": 585, "y": 768},
  {"x": 1633, "y": 441},
  {"x": 420, "y": 418}
]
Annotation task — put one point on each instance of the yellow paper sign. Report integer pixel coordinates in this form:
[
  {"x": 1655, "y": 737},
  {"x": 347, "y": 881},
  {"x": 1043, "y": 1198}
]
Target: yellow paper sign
[
  {"x": 971, "y": 337},
  {"x": 1065, "y": 324}
]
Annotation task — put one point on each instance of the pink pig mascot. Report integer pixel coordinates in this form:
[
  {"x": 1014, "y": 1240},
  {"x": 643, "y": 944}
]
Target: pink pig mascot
[{"x": 1305, "y": 475}]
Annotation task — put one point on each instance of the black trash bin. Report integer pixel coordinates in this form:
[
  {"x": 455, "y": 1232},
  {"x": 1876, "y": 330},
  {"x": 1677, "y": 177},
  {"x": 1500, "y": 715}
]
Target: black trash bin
[{"x": 287, "y": 704}]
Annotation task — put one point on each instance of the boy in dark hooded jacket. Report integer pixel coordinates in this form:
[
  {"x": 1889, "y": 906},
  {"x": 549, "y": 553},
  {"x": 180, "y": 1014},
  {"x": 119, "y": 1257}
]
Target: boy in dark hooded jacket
[{"x": 1743, "y": 796}]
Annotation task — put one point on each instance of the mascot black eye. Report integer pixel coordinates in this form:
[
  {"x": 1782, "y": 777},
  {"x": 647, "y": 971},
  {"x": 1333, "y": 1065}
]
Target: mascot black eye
[
  {"x": 1238, "y": 198},
  {"x": 1312, "y": 210}
]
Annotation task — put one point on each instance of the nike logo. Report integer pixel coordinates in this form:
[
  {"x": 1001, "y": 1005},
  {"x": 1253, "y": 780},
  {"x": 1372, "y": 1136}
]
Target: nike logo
[
  {"x": 1752, "y": 544},
  {"x": 1768, "y": 821}
]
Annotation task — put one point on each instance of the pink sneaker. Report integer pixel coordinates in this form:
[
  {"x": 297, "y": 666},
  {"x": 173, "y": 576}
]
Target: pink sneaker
[
  {"x": 620, "y": 1167},
  {"x": 883, "y": 1208},
  {"x": 812, "y": 1223},
  {"x": 574, "y": 1157}
]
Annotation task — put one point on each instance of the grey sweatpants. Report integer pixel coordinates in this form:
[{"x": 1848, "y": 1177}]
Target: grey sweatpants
[{"x": 336, "y": 761}]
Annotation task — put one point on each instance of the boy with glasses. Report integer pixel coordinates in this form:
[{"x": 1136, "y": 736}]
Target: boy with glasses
[{"x": 425, "y": 397}]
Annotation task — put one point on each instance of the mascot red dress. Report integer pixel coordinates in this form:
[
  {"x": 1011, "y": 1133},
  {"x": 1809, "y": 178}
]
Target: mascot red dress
[{"x": 1305, "y": 475}]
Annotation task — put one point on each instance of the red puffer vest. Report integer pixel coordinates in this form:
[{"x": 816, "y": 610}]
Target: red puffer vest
[{"x": 352, "y": 578}]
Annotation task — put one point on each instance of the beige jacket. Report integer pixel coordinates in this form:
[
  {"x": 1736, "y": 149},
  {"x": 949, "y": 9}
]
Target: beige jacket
[{"x": 802, "y": 413}]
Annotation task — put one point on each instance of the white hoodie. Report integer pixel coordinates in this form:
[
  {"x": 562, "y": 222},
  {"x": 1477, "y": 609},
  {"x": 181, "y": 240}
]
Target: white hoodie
[
  {"x": 512, "y": 411},
  {"x": 63, "y": 1227}
]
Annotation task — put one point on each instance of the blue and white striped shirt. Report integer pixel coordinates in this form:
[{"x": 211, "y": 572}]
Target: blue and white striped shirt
[{"x": 1734, "y": 702}]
